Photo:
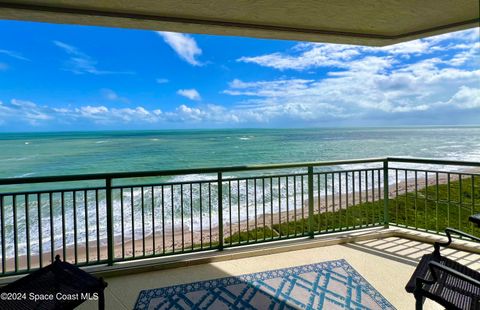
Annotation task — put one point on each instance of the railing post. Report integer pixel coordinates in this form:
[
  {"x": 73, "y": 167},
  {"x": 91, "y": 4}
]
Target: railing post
[
  {"x": 310, "y": 201},
  {"x": 220, "y": 212},
  {"x": 386, "y": 219},
  {"x": 108, "y": 197}
]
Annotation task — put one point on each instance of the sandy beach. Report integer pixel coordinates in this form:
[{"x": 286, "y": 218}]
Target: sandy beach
[{"x": 177, "y": 241}]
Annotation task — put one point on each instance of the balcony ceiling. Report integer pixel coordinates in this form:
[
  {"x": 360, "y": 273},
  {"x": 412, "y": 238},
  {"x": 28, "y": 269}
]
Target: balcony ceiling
[{"x": 365, "y": 22}]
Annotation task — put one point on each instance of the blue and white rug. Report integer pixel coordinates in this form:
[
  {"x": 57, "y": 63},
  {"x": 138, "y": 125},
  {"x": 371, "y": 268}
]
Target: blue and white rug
[{"x": 327, "y": 285}]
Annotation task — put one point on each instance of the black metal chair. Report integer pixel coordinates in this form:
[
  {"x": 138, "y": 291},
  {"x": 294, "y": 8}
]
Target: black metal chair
[
  {"x": 445, "y": 281},
  {"x": 59, "y": 285}
]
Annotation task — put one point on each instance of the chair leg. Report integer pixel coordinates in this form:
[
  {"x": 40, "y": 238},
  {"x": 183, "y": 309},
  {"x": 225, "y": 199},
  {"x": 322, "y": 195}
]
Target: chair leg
[
  {"x": 101, "y": 301},
  {"x": 418, "y": 302}
]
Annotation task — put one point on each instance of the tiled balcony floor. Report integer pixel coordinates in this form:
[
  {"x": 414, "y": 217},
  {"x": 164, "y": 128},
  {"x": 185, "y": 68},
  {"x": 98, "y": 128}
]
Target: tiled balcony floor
[{"x": 386, "y": 263}]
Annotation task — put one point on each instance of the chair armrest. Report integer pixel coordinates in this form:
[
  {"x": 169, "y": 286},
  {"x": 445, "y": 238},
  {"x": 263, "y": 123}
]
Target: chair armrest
[
  {"x": 449, "y": 231},
  {"x": 435, "y": 266}
]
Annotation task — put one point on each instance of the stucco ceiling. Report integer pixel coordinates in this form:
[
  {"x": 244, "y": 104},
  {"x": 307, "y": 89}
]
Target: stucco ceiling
[{"x": 366, "y": 22}]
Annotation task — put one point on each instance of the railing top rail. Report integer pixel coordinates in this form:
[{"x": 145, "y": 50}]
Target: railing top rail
[
  {"x": 433, "y": 161},
  {"x": 139, "y": 174},
  {"x": 157, "y": 173}
]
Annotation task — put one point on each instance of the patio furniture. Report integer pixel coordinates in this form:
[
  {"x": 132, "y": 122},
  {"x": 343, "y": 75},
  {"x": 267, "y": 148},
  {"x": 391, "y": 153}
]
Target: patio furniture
[
  {"x": 475, "y": 218},
  {"x": 445, "y": 281},
  {"x": 59, "y": 285}
]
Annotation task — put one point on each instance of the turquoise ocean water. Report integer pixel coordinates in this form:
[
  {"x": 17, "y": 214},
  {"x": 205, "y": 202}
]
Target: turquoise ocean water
[
  {"x": 40, "y": 154},
  {"x": 44, "y": 154}
]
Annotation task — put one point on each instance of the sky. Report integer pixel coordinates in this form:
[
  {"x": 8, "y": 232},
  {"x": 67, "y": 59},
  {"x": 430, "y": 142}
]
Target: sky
[{"x": 70, "y": 77}]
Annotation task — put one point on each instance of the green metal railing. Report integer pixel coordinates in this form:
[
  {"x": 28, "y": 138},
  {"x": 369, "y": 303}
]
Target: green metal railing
[{"x": 107, "y": 218}]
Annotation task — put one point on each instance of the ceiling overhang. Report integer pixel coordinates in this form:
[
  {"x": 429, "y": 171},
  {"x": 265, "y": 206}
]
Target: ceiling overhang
[{"x": 364, "y": 22}]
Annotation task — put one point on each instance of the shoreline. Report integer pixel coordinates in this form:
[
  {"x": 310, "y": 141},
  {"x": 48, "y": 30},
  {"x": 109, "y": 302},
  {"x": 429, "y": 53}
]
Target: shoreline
[{"x": 322, "y": 204}]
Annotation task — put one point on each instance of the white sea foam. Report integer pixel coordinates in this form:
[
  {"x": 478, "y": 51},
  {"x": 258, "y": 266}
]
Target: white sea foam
[
  {"x": 21, "y": 158},
  {"x": 23, "y": 175},
  {"x": 454, "y": 149},
  {"x": 192, "y": 177},
  {"x": 252, "y": 202}
]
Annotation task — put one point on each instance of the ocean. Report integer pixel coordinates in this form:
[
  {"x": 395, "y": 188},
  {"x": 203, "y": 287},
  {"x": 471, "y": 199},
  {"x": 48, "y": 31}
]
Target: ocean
[{"x": 65, "y": 153}]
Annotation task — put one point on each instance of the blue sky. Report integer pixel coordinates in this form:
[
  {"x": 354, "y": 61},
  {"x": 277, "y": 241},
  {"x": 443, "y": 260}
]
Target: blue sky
[{"x": 65, "y": 77}]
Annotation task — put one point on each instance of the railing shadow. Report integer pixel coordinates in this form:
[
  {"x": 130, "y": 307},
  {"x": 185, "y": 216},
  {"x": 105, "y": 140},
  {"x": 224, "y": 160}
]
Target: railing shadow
[{"x": 410, "y": 252}]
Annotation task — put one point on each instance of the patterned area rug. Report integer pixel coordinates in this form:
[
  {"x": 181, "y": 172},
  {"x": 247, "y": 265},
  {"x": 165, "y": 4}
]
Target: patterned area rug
[{"x": 327, "y": 285}]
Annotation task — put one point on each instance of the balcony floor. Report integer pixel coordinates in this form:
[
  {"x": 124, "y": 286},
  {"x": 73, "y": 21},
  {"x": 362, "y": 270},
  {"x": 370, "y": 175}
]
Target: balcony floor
[{"x": 385, "y": 263}]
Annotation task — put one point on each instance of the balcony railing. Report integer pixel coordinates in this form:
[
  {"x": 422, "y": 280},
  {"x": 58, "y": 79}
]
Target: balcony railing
[{"x": 106, "y": 218}]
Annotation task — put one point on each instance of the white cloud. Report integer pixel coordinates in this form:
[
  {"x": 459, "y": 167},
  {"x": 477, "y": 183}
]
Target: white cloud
[
  {"x": 3, "y": 66},
  {"x": 304, "y": 56},
  {"x": 307, "y": 55},
  {"x": 61, "y": 110},
  {"x": 268, "y": 88},
  {"x": 409, "y": 47},
  {"x": 209, "y": 113},
  {"x": 23, "y": 103},
  {"x": 387, "y": 86},
  {"x": 185, "y": 113},
  {"x": 466, "y": 98},
  {"x": 365, "y": 82},
  {"x": 98, "y": 113},
  {"x": 469, "y": 35},
  {"x": 14, "y": 54},
  {"x": 81, "y": 63},
  {"x": 184, "y": 45},
  {"x": 104, "y": 115},
  {"x": 128, "y": 115},
  {"x": 162, "y": 81},
  {"x": 191, "y": 94},
  {"x": 113, "y": 96},
  {"x": 469, "y": 55},
  {"x": 33, "y": 114},
  {"x": 26, "y": 110},
  {"x": 368, "y": 86}
]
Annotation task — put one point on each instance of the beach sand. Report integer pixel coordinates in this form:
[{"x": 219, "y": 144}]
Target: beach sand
[{"x": 176, "y": 241}]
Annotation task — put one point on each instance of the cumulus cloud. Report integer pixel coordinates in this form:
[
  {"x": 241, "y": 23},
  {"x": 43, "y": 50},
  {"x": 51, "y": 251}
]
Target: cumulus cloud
[
  {"x": 305, "y": 56},
  {"x": 184, "y": 45},
  {"x": 470, "y": 55},
  {"x": 431, "y": 81},
  {"x": 410, "y": 47},
  {"x": 81, "y": 63},
  {"x": 466, "y": 98},
  {"x": 209, "y": 113},
  {"x": 24, "y": 111},
  {"x": 191, "y": 94},
  {"x": 363, "y": 82},
  {"x": 134, "y": 115},
  {"x": 361, "y": 90}
]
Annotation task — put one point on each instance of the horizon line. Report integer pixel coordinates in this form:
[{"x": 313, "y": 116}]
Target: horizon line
[{"x": 240, "y": 128}]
